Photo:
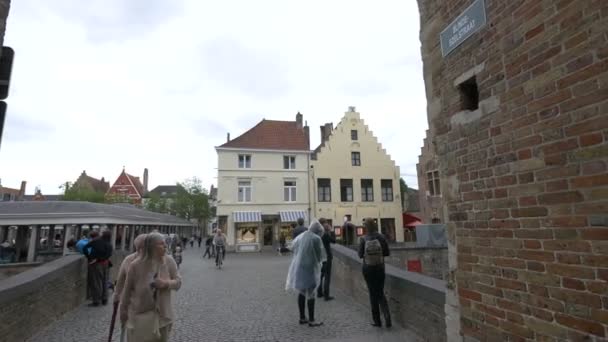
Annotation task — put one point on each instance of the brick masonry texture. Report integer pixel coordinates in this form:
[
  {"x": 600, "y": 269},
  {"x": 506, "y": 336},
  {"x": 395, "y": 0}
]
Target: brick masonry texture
[
  {"x": 530, "y": 240},
  {"x": 245, "y": 301}
]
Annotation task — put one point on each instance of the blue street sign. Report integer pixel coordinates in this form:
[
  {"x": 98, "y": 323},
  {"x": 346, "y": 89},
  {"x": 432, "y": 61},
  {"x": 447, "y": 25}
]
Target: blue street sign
[{"x": 470, "y": 21}]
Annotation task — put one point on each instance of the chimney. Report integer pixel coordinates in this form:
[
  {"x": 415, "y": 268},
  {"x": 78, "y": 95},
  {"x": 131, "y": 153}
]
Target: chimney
[
  {"x": 307, "y": 134},
  {"x": 326, "y": 131},
  {"x": 22, "y": 191},
  {"x": 299, "y": 119},
  {"x": 228, "y": 137},
  {"x": 145, "y": 181}
]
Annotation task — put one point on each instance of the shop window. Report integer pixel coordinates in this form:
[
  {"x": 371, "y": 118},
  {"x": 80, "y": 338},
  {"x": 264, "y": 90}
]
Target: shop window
[
  {"x": 387, "y": 227},
  {"x": 246, "y": 232}
]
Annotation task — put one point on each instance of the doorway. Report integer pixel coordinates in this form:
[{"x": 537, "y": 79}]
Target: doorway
[{"x": 268, "y": 235}]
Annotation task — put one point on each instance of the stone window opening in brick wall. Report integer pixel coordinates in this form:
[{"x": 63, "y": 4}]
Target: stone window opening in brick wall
[
  {"x": 387, "y": 190},
  {"x": 469, "y": 94},
  {"x": 324, "y": 189},
  {"x": 354, "y": 135},
  {"x": 434, "y": 188},
  {"x": 367, "y": 190},
  {"x": 356, "y": 158},
  {"x": 346, "y": 190}
]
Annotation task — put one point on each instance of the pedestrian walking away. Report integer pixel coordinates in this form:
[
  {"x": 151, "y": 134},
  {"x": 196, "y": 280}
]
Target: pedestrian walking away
[
  {"x": 200, "y": 239},
  {"x": 145, "y": 304},
  {"x": 98, "y": 252},
  {"x": 373, "y": 248},
  {"x": 328, "y": 238},
  {"x": 301, "y": 228},
  {"x": 305, "y": 271},
  {"x": 208, "y": 247}
]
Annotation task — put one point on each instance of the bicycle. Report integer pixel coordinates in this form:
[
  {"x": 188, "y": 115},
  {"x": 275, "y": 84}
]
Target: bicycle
[{"x": 219, "y": 252}]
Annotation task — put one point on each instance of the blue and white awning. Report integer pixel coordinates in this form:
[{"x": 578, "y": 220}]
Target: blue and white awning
[
  {"x": 292, "y": 215},
  {"x": 247, "y": 216}
]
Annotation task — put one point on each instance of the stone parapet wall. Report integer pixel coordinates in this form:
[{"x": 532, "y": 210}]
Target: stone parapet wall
[
  {"x": 434, "y": 261},
  {"x": 32, "y": 299},
  {"x": 416, "y": 301}
]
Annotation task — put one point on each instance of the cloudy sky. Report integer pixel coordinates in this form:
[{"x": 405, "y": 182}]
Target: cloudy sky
[{"x": 102, "y": 84}]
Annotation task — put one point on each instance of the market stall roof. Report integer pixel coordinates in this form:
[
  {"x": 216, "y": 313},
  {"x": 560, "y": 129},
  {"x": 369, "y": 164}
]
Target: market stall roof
[{"x": 68, "y": 212}]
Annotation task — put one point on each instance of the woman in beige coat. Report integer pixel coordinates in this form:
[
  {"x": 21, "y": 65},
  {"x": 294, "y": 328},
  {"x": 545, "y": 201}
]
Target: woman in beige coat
[{"x": 145, "y": 304}]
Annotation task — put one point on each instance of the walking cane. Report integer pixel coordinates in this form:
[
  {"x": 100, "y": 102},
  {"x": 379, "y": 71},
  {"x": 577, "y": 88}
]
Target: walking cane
[{"x": 113, "y": 321}]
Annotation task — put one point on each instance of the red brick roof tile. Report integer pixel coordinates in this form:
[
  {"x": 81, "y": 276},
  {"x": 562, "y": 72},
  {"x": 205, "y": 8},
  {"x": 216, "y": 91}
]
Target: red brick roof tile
[{"x": 272, "y": 135}]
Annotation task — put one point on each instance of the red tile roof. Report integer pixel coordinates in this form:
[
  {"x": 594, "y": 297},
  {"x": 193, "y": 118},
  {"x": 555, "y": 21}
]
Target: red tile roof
[
  {"x": 273, "y": 135},
  {"x": 138, "y": 186}
]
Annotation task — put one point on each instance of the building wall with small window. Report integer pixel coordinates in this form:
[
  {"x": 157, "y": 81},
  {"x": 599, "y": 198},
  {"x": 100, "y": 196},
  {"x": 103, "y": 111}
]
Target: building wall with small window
[
  {"x": 429, "y": 183},
  {"x": 353, "y": 176},
  {"x": 260, "y": 195}
]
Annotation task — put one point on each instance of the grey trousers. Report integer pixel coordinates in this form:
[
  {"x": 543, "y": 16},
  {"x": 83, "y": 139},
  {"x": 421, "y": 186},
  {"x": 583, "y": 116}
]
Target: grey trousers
[{"x": 98, "y": 282}]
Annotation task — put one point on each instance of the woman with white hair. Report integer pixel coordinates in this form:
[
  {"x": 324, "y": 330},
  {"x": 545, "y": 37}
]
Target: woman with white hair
[
  {"x": 146, "y": 299},
  {"x": 124, "y": 266},
  {"x": 305, "y": 271}
]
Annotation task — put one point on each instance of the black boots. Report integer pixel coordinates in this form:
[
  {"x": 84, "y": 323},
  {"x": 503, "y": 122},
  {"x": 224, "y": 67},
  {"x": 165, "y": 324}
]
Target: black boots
[
  {"x": 301, "y": 307},
  {"x": 387, "y": 315}
]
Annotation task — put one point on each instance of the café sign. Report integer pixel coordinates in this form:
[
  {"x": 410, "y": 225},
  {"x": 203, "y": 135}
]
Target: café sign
[{"x": 468, "y": 22}]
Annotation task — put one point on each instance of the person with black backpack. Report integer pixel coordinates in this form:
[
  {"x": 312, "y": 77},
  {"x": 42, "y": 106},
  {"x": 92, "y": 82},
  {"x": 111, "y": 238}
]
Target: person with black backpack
[{"x": 373, "y": 248}]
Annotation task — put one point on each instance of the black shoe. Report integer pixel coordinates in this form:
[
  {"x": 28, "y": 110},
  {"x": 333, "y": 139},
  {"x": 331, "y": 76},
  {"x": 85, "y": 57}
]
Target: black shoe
[
  {"x": 327, "y": 299},
  {"x": 319, "y": 295},
  {"x": 104, "y": 302},
  {"x": 303, "y": 321},
  {"x": 93, "y": 304},
  {"x": 389, "y": 324},
  {"x": 377, "y": 324},
  {"x": 315, "y": 324}
]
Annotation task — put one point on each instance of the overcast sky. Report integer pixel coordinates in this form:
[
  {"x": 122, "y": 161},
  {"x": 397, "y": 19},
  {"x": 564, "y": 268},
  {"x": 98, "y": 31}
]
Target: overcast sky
[{"x": 102, "y": 84}]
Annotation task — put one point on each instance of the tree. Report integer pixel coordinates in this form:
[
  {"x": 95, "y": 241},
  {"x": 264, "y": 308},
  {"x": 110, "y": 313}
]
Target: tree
[
  {"x": 403, "y": 188},
  {"x": 192, "y": 201},
  {"x": 77, "y": 193}
]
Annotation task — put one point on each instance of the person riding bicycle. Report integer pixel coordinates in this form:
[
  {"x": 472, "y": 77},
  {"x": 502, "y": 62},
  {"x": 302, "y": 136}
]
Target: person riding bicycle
[{"x": 219, "y": 242}]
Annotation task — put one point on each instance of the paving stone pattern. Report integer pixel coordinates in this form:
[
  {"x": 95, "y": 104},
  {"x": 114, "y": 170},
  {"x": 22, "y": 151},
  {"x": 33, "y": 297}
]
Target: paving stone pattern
[{"x": 245, "y": 301}]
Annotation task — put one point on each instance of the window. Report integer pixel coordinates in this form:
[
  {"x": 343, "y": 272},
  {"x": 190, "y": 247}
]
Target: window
[
  {"x": 387, "y": 190},
  {"x": 246, "y": 232},
  {"x": 244, "y": 194},
  {"x": 346, "y": 190},
  {"x": 367, "y": 190},
  {"x": 289, "y": 191},
  {"x": 244, "y": 161},
  {"x": 433, "y": 183},
  {"x": 324, "y": 189},
  {"x": 356, "y": 158},
  {"x": 289, "y": 162},
  {"x": 469, "y": 94},
  {"x": 354, "y": 135}
]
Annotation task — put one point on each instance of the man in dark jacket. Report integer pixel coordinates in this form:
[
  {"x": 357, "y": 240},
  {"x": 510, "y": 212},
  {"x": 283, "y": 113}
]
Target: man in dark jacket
[
  {"x": 301, "y": 228},
  {"x": 328, "y": 238},
  {"x": 98, "y": 251},
  {"x": 373, "y": 248}
]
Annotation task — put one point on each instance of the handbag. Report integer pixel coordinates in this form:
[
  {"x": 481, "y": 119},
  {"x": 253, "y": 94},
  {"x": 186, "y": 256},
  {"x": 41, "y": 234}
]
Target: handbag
[{"x": 145, "y": 326}]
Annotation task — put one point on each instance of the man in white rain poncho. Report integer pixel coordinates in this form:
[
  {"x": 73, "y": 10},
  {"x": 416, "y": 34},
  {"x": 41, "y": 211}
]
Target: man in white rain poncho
[{"x": 305, "y": 270}]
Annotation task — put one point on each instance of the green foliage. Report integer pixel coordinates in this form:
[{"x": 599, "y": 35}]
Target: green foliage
[
  {"x": 76, "y": 193},
  {"x": 191, "y": 202}
]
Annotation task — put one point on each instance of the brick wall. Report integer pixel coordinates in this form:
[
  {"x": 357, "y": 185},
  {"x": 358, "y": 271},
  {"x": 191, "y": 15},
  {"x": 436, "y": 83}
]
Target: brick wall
[
  {"x": 416, "y": 301},
  {"x": 524, "y": 177}
]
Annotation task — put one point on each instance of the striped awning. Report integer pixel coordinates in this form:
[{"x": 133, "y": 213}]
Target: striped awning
[
  {"x": 292, "y": 215},
  {"x": 247, "y": 216}
]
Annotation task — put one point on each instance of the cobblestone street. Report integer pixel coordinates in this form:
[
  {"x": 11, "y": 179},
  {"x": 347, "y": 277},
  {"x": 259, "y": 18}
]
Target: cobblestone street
[{"x": 245, "y": 301}]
